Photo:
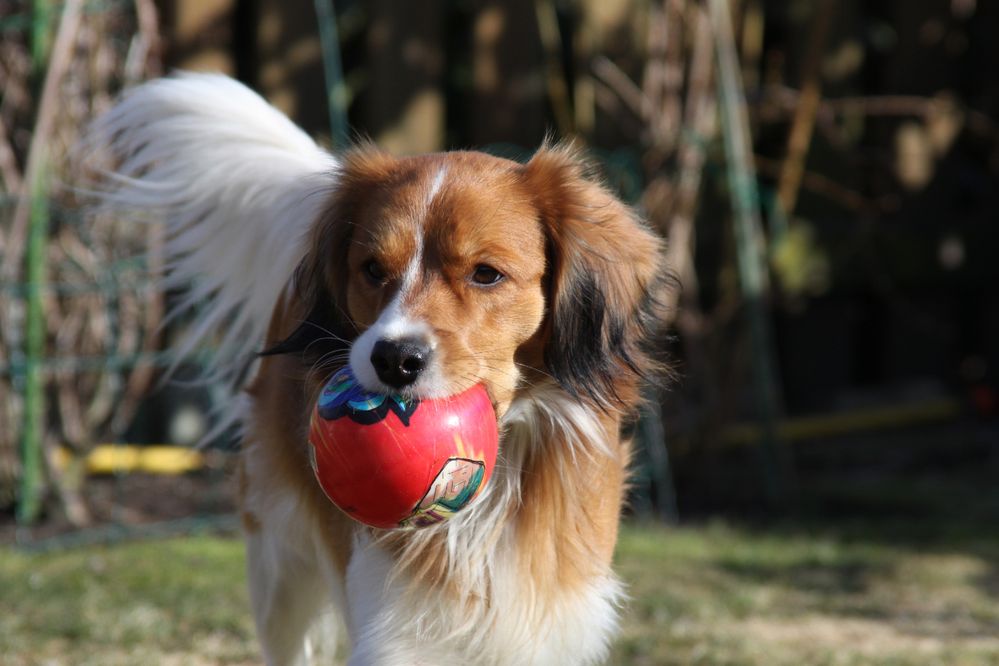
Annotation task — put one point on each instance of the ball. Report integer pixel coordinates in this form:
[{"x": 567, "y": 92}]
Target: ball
[{"x": 391, "y": 461}]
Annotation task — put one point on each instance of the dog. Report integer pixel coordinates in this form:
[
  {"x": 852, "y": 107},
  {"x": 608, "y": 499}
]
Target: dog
[{"x": 530, "y": 279}]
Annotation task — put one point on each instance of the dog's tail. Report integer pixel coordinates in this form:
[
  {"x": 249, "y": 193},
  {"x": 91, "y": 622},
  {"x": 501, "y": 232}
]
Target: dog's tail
[{"x": 236, "y": 185}]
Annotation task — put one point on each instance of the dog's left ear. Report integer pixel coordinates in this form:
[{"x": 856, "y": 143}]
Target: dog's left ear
[{"x": 606, "y": 281}]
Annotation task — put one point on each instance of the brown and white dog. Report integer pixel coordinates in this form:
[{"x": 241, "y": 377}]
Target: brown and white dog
[{"x": 531, "y": 279}]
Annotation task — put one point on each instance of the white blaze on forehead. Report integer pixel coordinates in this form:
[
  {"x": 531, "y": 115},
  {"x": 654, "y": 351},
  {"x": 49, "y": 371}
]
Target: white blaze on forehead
[
  {"x": 435, "y": 185},
  {"x": 394, "y": 323},
  {"x": 415, "y": 264}
]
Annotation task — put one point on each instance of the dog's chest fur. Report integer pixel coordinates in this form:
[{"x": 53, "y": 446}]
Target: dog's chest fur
[{"x": 490, "y": 586}]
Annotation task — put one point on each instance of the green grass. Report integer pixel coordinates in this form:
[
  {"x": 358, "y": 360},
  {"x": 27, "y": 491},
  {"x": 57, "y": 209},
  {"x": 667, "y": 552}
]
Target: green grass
[
  {"x": 719, "y": 595},
  {"x": 180, "y": 601},
  {"x": 714, "y": 594}
]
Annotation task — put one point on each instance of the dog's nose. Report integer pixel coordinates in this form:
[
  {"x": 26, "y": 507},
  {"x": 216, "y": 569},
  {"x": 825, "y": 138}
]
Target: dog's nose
[{"x": 399, "y": 363}]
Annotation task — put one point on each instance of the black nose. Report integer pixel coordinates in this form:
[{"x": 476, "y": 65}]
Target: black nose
[{"x": 398, "y": 363}]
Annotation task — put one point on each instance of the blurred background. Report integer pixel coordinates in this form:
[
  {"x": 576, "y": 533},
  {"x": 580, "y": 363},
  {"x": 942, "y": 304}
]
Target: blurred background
[{"x": 818, "y": 481}]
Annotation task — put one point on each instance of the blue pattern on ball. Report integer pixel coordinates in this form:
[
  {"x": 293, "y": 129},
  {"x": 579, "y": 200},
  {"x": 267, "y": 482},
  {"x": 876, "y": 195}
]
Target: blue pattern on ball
[{"x": 344, "y": 396}]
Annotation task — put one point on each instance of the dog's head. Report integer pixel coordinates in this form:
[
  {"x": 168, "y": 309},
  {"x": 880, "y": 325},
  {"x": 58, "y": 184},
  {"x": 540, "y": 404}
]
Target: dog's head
[{"x": 438, "y": 272}]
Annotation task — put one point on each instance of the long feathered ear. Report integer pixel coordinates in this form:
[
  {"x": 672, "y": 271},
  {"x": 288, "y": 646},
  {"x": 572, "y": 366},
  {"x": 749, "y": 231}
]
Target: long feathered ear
[
  {"x": 320, "y": 281},
  {"x": 606, "y": 281},
  {"x": 323, "y": 327}
]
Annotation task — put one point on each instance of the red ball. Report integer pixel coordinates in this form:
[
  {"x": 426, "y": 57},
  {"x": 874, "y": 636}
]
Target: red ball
[{"x": 390, "y": 461}]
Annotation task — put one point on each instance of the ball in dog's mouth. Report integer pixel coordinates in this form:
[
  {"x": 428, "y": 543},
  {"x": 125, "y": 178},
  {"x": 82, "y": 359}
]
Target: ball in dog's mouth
[{"x": 393, "y": 461}]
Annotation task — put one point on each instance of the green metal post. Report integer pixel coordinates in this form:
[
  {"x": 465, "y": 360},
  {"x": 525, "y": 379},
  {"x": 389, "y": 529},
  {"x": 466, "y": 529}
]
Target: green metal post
[
  {"x": 752, "y": 265},
  {"x": 33, "y": 423},
  {"x": 41, "y": 35},
  {"x": 34, "y": 397},
  {"x": 336, "y": 88}
]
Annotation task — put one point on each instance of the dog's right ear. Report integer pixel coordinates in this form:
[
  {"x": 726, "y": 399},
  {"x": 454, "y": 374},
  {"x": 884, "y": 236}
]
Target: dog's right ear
[
  {"x": 320, "y": 281},
  {"x": 318, "y": 291},
  {"x": 316, "y": 335}
]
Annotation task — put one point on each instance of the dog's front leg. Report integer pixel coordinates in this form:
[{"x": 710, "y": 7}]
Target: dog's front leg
[{"x": 287, "y": 594}]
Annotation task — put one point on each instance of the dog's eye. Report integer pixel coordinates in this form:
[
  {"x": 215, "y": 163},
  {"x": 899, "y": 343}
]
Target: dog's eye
[
  {"x": 486, "y": 275},
  {"x": 374, "y": 271}
]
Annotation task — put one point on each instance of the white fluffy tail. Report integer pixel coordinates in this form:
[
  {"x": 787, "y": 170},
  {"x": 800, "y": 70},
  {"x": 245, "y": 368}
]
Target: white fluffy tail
[{"x": 237, "y": 186}]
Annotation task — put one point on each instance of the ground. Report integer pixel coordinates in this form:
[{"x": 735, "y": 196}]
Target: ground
[
  {"x": 722, "y": 595},
  {"x": 707, "y": 594},
  {"x": 883, "y": 559}
]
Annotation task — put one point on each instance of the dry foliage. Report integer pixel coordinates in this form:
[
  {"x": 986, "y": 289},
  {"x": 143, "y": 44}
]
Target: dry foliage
[{"x": 101, "y": 309}]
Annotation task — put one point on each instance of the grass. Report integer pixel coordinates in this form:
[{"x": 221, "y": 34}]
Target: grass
[
  {"x": 720, "y": 595},
  {"x": 712, "y": 594},
  {"x": 175, "y": 601}
]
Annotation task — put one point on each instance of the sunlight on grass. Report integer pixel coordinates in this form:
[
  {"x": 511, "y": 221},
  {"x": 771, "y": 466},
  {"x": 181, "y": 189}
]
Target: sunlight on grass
[
  {"x": 173, "y": 601},
  {"x": 713, "y": 594},
  {"x": 717, "y": 595}
]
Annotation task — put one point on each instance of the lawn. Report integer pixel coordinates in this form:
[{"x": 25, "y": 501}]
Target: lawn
[
  {"x": 709, "y": 594},
  {"x": 720, "y": 595}
]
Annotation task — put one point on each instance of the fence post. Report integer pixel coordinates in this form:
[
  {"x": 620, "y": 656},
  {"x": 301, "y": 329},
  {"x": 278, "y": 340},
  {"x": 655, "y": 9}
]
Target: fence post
[
  {"x": 336, "y": 87},
  {"x": 752, "y": 265},
  {"x": 35, "y": 199},
  {"x": 29, "y": 501},
  {"x": 34, "y": 390}
]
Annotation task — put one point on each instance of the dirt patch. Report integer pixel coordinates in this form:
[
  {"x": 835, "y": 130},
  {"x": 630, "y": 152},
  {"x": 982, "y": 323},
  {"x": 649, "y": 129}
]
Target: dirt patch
[{"x": 864, "y": 637}]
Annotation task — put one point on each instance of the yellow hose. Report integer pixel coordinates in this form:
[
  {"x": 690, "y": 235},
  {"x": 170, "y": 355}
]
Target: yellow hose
[{"x": 121, "y": 458}]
